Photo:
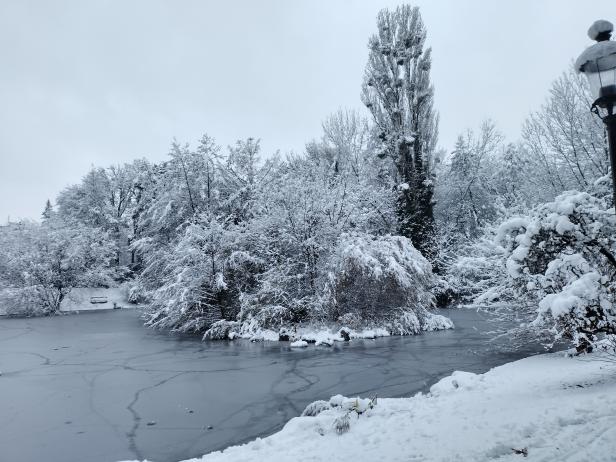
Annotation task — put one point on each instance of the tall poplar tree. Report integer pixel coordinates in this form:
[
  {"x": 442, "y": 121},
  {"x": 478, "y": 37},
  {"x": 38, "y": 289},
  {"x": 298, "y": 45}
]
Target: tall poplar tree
[{"x": 398, "y": 93}]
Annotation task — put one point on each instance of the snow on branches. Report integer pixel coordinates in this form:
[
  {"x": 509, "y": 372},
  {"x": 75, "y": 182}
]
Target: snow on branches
[
  {"x": 560, "y": 259},
  {"x": 42, "y": 263},
  {"x": 383, "y": 279}
]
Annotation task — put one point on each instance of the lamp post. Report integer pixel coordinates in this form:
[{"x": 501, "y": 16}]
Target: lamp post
[{"x": 598, "y": 63}]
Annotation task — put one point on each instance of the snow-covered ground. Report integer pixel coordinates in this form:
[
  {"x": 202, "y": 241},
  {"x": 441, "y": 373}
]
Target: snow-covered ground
[
  {"x": 320, "y": 334},
  {"x": 552, "y": 407},
  {"x": 89, "y": 298}
]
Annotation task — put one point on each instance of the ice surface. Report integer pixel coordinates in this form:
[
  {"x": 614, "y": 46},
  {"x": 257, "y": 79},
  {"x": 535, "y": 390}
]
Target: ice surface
[
  {"x": 88, "y": 368},
  {"x": 550, "y": 407}
]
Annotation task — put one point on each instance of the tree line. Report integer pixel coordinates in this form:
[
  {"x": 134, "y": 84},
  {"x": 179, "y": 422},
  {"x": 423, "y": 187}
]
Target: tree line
[{"x": 371, "y": 224}]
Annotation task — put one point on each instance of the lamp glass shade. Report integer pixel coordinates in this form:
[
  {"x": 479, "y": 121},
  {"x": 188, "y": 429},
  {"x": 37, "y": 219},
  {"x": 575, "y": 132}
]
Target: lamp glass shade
[{"x": 601, "y": 74}]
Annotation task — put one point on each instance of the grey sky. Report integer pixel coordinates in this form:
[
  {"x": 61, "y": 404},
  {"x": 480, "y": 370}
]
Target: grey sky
[{"x": 87, "y": 83}]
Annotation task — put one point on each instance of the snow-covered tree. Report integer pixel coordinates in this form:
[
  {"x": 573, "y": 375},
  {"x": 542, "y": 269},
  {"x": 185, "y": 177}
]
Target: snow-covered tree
[
  {"x": 562, "y": 258},
  {"x": 398, "y": 92},
  {"x": 243, "y": 174},
  {"x": 47, "y": 211},
  {"x": 88, "y": 202},
  {"x": 566, "y": 142},
  {"x": 303, "y": 212},
  {"x": 43, "y": 263},
  {"x": 476, "y": 274},
  {"x": 346, "y": 145},
  {"x": 179, "y": 189},
  {"x": 551, "y": 269},
  {"x": 105, "y": 200},
  {"x": 468, "y": 198},
  {"x": 198, "y": 278}
]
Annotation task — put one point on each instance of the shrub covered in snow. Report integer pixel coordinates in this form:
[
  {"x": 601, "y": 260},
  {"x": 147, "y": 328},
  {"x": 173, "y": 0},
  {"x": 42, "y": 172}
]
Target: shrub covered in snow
[
  {"x": 23, "y": 301},
  {"x": 343, "y": 407},
  {"x": 370, "y": 286},
  {"x": 560, "y": 265},
  {"x": 221, "y": 330},
  {"x": 477, "y": 274},
  {"x": 200, "y": 279},
  {"x": 137, "y": 293},
  {"x": 381, "y": 279},
  {"x": 315, "y": 408}
]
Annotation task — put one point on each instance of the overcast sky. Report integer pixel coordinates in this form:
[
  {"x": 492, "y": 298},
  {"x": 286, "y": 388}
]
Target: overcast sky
[{"x": 87, "y": 83}]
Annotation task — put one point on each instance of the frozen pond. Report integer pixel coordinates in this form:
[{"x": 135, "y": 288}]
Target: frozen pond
[{"x": 100, "y": 387}]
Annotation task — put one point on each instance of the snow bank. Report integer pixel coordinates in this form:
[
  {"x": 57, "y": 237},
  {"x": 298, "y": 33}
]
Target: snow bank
[
  {"x": 455, "y": 381},
  {"x": 320, "y": 335},
  {"x": 84, "y": 299},
  {"x": 553, "y": 407}
]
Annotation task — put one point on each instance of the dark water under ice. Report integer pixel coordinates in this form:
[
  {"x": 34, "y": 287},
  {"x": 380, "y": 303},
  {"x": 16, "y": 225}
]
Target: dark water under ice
[{"x": 101, "y": 387}]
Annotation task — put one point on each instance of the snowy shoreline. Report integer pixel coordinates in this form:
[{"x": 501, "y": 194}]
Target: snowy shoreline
[
  {"x": 550, "y": 406},
  {"x": 320, "y": 335}
]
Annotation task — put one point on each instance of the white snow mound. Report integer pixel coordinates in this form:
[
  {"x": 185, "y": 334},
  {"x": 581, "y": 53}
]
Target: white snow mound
[{"x": 459, "y": 380}]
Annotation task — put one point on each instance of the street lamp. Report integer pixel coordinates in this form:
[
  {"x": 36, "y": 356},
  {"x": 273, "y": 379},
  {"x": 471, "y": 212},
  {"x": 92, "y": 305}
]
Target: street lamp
[{"x": 598, "y": 63}]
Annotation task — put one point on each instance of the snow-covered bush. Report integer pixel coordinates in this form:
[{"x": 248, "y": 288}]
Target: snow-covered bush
[
  {"x": 343, "y": 408},
  {"x": 561, "y": 263},
  {"x": 221, "y": 330},
  {"x": 23, "y": 301},
  {"x": 315, "y": 408},
  {"x": 478, "y": 274},
  {"x": 198, "y": 280},
  {"x": 380, "y": 279},
  {"x": 405, "y": 322},
  {"x": 280, "y": 298},
  {"x": 273, "y": 317},
  {"x": 342, "y": 424},
  {"x": 137, "y": 293}
]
